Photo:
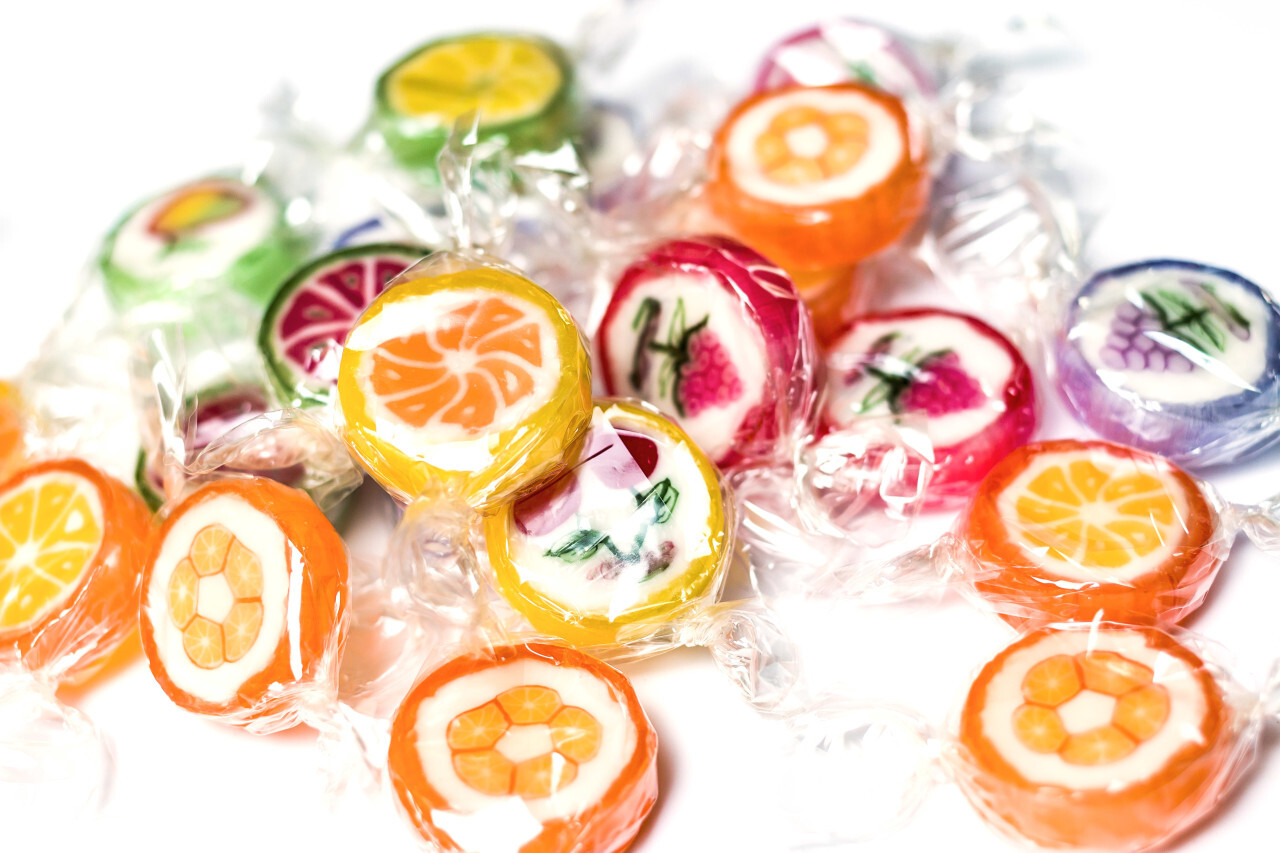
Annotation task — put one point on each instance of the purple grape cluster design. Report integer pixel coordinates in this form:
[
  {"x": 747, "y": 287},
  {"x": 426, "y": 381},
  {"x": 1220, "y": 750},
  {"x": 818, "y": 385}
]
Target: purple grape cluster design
[{"x": 1167, "y": 330}]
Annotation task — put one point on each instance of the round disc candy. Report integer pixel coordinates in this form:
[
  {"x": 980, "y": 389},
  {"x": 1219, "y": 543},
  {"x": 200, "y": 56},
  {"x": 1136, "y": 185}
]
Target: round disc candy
[
  {"x": 214, "y": 232},
  {"x": 1101, "y": 737},
  {"x": 1174, "y": 357},
  {"x": 474, "y": 382},
  {"x": 72, "y": 545},
  {"x": 245, "y": 590},
  {"x": 312, "y": 313},
  {"x": 845, "y": 51},
  {"x": 716, "y": 337},
  {"x": 966, "y": 384},
  {"x": 535, "y": 748},
  {"x": 818, "y": 177},
  {"x": 1063, "y": 530},
  {"x": 521, "y": 86},
  {"x": 632, "y": 533}
]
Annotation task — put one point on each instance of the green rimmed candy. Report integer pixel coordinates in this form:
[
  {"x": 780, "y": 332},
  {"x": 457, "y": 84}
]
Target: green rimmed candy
[
  {"x": 304, "y": 328},
  {"x": 209, "y": 234},
  {"x": 522, "y": 87}
]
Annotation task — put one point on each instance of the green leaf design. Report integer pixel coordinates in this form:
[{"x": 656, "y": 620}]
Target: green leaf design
[
  {"x": 579, "y": 545},
  {"x": 892, "y": 384},
  {"x": 664, "y": 497},
  {"x": 861, "y": 71},
  {"x": 1186, "y": 320}
]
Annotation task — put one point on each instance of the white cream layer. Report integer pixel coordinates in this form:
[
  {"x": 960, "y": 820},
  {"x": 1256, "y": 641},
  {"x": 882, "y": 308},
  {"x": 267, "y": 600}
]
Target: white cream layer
[
  {"x": 1188, "y": 706},
  {"x": 715, "y": 428},
  {"x": 577, "y": 687},
  {"x": 261, "y": 535},
  {"x": 885, "y": 146}
]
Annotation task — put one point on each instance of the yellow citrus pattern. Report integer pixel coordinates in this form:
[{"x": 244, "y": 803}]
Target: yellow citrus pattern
[
  {"x": 223, "y": 626},
  {"x": 475, "y": 738},
  {"x": 805, "y": 145},
  {"x": 1084, "y": 514},
  {"x": 503, "y": 78},
  {"x": 50, "y": 532},
  {"x": 194, "y": 207}
]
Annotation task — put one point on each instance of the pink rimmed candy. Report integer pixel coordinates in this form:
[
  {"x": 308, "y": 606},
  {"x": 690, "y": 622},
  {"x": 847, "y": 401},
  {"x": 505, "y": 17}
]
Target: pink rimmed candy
[
  {"x": 965, "y": 385},
  {"x": 716, "y": 336}
]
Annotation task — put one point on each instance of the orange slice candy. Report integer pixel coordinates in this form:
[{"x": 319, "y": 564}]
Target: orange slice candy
[
  {"x": 245, "y": 589},
  {"x": 535, "y": 748},
  {"x": 72, "y": 546},
  {"x": 1063, "y": 530},
  {"x": 12, "y": 428},
  {"x": 818, "y": 178},
  {"x": 473, "y": 382},
  {"x": 1102, "y": 737}
]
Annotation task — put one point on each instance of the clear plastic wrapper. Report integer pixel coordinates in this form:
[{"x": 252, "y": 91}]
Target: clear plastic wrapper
[
  {"x": 1175, "y": 357},
  {"x": 72, "y": 546},
  {"x": 1092, "y": 736},
  {"x": 533, "y": 747},
  {"x": 1072, "y": 530}
]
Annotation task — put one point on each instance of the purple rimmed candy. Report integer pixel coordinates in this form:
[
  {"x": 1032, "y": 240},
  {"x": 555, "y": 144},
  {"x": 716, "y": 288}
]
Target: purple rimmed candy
[{"x": 1174, "y": 357}]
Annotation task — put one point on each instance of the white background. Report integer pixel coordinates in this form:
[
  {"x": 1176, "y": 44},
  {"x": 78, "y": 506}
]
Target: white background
[{"x": 104, "y": 103}]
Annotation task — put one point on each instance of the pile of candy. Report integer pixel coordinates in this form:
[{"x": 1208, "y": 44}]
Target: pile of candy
[{"x": 619, "y": 414}]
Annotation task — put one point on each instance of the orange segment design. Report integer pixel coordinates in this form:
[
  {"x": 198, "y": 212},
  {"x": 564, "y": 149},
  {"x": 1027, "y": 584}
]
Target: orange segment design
[
  {"x": 804, "y": 145},
  {"x": 50, "y": 533},
  {"x": 479, "y": 728},
  {"x": 489, "y": 772},
  {"x": 1052, "y": 681},
  {"x": 529, "y": 704},
  {"x": 1140, "y": 712},
  {"x": 576, "y": 734},
  {"x": 544, "y": 775},
  {"x": 479, "y": 358},
  {"x": 1103, "y": 745},
  {"x": 217, "y": 557}
]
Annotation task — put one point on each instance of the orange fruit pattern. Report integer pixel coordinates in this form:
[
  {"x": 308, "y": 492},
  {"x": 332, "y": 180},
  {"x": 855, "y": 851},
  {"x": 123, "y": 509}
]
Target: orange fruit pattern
[
  {"x": 70, "y": 565},
  {"x": 841, "y": 140},
  {"x": 494, "y": 755},
  {"x": 214, "y": 596},
  {"x": 1178, "y": 761},
  {"x": 475, "y": 738},
  {"x": 1067, "y": 545},
  {"x": 803, "y": 145},
  {"x": 218, "y": 565},
  {"x": 11, "y": 429},
  {"x": 1141, "y": 710},
  {"x": 478, "y": 359}
]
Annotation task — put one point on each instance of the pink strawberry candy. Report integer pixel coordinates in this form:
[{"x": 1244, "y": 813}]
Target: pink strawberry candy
[
  {"x": 709, "y": 378},
  {"x": 940, "y": 386}
]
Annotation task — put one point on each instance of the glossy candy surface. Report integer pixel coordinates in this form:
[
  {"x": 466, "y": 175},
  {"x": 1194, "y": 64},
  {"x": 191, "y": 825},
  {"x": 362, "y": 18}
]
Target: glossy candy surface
[
  {"x": 818, "y": 178},
  {"x": 534, "y": 748},
  {"x": 954, "y": 376},
  {"x": 312, "y": 313},
  {"x": 521, "y": 87},
  {"x": 1063, "y": 530},
  {"x": 1177, "y": 358},
  {"x": 634, "y": 532},
  {"x": 1105, "y": 737},
  {"x": 12, "y": 429},
  {"x": 72, "y": 546},
  {"x": 845, "y": 51},
  {"x": 469, "y": 383},
  {"x": 211, "y": 233},
  {"x": 716, "y": 337},
  {"x": 245, "y": 592}
]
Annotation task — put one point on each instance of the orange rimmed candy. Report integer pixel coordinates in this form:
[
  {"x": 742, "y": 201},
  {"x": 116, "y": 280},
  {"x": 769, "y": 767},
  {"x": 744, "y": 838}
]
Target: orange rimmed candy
[
  {"x": 537, "y": 748},
  {"x": 246, "y": 588},
  {"x": 472, "y": 382},
  {"x": 1063, "y": 530},
  {"x": 72, "y": 545},
  {"x": 1122, "y": 762},
  {"x": 12, "y": 429},
  {"x": 818, "y": 178}
]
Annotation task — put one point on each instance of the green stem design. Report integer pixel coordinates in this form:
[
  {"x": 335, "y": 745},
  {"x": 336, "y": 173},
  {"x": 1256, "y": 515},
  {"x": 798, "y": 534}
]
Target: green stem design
[
  {"x": 1207, "y": 327},
  {"x": 891, "y": 385},
  {"x": 674, "y": 350},
  {"x": 581, "y": 545}
]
